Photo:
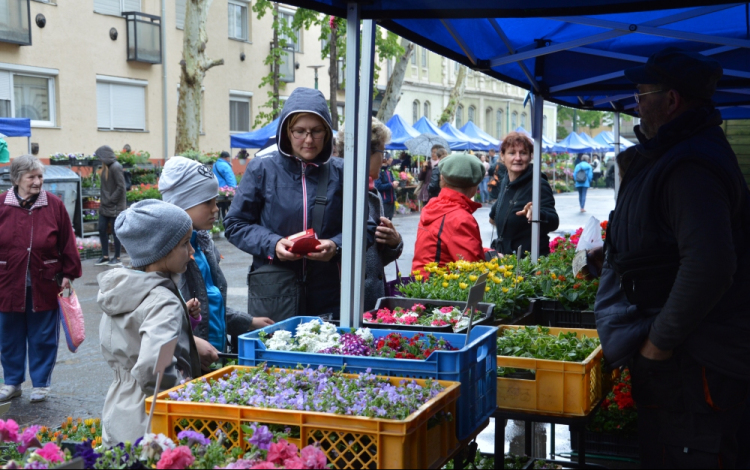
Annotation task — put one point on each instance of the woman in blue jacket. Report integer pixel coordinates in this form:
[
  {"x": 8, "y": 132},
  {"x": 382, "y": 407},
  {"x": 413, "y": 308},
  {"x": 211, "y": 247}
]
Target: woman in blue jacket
[
  {"x": 583, "y": 174},
  {"x": 277, "y": 195}
]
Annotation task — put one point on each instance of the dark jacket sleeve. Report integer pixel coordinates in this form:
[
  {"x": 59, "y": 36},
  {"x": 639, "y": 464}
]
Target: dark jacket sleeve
[
  {"x": 547, "y": 213},
  {"x": 66, "y": 245},
  {"x": 493, "y": 210},
  {"x": 434, "y": 188},
  {"x": 119, "y": 194},
  {"x": 701, "y": 222},
  {"x": 382, "y": 184},
  {"x": 242, "y": 224}
]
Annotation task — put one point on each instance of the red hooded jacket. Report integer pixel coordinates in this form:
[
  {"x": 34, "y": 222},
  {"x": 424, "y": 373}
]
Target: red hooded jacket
[
  {"x": 40, "y": 240},
  {"x": 448, "y": 231}
]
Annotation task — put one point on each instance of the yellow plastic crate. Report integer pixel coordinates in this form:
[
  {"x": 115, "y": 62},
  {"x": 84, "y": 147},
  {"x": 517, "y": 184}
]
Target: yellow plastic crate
[
  {"x": 348, "y": 441},
  {"x": 560, "y": 388}
]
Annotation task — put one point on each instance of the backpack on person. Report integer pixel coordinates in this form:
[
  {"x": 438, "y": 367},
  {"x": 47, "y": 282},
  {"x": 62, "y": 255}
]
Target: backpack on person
[
  {"x": 582, "y": 176},
  {"x": 128, "y": 180}
]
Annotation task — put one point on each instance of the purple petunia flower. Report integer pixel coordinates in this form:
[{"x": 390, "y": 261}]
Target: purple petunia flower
[
  {"x": 262, "y": 438},
  {"x": 193, "y": 437}
]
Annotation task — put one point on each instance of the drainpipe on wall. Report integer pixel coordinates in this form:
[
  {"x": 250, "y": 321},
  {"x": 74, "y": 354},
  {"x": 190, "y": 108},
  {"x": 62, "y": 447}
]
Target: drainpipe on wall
[{"x": 164, "y": 89}]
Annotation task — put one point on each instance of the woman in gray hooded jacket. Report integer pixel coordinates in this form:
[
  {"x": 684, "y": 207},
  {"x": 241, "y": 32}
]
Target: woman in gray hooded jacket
[{"x": 113, "y": 202}]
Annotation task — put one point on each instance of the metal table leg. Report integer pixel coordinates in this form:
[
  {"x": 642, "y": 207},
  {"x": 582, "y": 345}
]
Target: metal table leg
[{"x": 500, "y": 442}]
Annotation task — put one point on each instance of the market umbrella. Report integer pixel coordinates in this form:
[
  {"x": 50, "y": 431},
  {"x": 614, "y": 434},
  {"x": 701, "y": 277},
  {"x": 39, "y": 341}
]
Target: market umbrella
[{"x": 423, "y": 144}]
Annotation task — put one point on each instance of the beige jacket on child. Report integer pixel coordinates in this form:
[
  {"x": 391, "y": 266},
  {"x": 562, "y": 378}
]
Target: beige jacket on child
[{"x": 142, "y": 311}]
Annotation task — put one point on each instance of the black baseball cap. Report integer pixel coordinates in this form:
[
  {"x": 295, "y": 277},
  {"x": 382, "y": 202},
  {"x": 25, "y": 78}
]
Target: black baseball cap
[{"x": 690, "y": 73}]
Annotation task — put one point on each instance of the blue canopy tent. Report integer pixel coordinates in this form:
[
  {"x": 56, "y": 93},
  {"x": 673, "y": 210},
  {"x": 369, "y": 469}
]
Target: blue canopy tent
[
  {"x": 474, "y": 143},
  {"x": 401, "y": 131},
  {"x": 255, "y": 139},
  {"x": 472, "y": 130},
  {"x": 425, "y": 126},
  {"x": 607, "y": 138},
  {"x": 547, "y": 145},
  {"x": 16, "y": 127},
  {"x": 596, "y": 145},
  {"x": 574, "y": 144}
]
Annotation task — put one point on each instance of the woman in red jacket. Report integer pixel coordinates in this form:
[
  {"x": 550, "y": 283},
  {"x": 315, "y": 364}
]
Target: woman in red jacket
[
  {"x": 38, "y": 258},
  {"x": 447, "y": 230}
]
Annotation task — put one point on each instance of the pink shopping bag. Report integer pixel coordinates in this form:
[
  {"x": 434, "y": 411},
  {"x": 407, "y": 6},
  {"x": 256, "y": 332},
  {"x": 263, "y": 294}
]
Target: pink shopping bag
[{"x": 71, "y": 316}]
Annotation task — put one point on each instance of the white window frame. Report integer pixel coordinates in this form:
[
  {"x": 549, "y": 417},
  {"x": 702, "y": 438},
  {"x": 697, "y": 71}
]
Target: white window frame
[
  {"x": 425, "y": 60},
  {"x": 296, "y": 46},
  {"x": 472, "y": 114},
  {"x": 105, "y": 79},
  {"x": 122, "y": 9},
  {"x": 460, "y": 116},
  {"x": 427, "y": 109},
  {"x": 37, "y": 72},
  {"x": 246, "y": 6},
  {"x": 415, "y": 109},
  {"x": 244, "y": 97}
]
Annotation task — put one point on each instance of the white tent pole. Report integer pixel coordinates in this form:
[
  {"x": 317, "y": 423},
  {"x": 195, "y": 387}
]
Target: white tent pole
[
  {"x": 536, "y": 131},
  {"x": 617, "y": 152}
]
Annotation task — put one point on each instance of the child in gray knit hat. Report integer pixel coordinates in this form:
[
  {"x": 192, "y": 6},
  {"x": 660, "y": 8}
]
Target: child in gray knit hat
[
  {"x": 194, "y": 188},
  {"x": 143, "y": 310}
]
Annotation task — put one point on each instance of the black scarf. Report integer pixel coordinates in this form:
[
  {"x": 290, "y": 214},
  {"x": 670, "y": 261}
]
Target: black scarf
[{"x": 27, "y": 203}]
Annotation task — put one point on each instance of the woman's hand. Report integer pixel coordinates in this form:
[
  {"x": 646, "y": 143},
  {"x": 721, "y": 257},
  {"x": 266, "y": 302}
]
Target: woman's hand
[
  {"x": 207, "y": 353},
  {"x": 492, "y": 222},
  {"x": 386, "y": 233},
  {"x": 526, "y": 211},
  {"x": 326, "y": 251},
  {"x": 66, "y": 284},
  {"x": 261, "y": 322},
  {"x": 283, "y": 253},
  {"x": 194, "y": 308}
]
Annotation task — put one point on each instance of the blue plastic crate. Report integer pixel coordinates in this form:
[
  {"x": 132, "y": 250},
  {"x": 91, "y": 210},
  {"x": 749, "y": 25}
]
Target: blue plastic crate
[{"x": 475, "y": 366}]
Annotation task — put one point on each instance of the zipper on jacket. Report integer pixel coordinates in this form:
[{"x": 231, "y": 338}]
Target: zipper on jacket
[
  {"x": 28, "y": 263},
  {"x": 304, "y": 212}
]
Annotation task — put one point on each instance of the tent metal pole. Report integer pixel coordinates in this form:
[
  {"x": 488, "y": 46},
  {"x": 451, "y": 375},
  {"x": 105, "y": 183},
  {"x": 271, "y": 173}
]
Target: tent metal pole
[
  {"x": 28, "y": 141},
  {"x": 164, "y": 83},
  {"x": 536, "y": 131},
  {"x": 617, "y": 152},
  {"x": 350, "y": 169}
]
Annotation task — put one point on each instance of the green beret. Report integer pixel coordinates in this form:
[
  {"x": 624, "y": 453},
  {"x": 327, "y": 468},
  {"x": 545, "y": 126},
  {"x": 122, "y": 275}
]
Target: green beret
[{"x": 462, "y": 170}]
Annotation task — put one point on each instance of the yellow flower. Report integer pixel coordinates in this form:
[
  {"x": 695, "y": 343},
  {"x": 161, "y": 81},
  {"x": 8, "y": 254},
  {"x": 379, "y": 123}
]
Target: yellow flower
[
  {"x": 447, "y": 277},
  {"x": 508, "y": 274},
  {"x": 418, "y": 277},
  {"x": 472, "y": 278},
  {"x": 416, "y": 273},
  {"x": 455, "y": 276},
  {"x": 509, "y": 266},
  {"x": 505, "y": 290},
  {"x": 487, "y": 289},
  {"x": 520, "y": 278},
  {"x": 553, "y": 275},
  {"x": 496, "y": 280},
  {"x": 89, "y": 423},
  {"x": 502, "y": 269},
  {"x": 445, "y": 284},
  {"x": 463, "y": 285}
]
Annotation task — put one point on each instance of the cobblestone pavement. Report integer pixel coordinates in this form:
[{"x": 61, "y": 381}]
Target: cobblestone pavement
[{"x": 80, "y": 381}]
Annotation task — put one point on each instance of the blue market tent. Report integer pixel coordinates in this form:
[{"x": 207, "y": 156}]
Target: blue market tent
[
  {"x": 547, "y": 145},
  {"x": 574, "y": 144},
  {"x": 474, "y": 143},
  {"x": 472, "y": 130},
  {"x": 607, "y": 138},
  {"x": 15, "y": 127},
  {"x": 255, "y": 139},
  {"x": 401, "y": 131},
  {"x": 425, "y": 126},
  {"x": 589, "y": 140}
]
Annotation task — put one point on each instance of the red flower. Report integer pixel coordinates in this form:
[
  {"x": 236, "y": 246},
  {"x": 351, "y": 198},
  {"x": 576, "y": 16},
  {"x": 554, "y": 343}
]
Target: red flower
[
  {"x": 604, "y": 224},
  {"x": 281, "y": 451}
]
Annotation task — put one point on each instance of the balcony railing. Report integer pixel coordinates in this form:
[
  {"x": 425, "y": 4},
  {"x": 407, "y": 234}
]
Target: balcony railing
[
  {"x": 144, "y": 37},
  {"x": 15, "y": 22}
]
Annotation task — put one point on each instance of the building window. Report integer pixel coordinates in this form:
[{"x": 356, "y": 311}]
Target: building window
[
  {"x": 120, "y": 104},
  {"x": 286, "y": 67},
  {"x": 523, "y": 121},
  {"x": 26, "y": 95},
  {"x": 414, "y": 58},
  {"x": 499, "y": 124},
  {"x": 295, "y": 41},
  {"x": 115, "y": 7},
  {"x": 427, "y": 109},
  {"x": 179, "y": 10},
  {"x": 424, "y": 57},
  {"x": 460, "y": 116},
  {"x": 15, "y": 24},
  {"x": 238, "y": 25},
  {"x": 544, "y": 125},
  {"x": 514, "y": 120},
  {"x": 239, "y": 112},
  {"x": 472, "y": 113},
  {"x": 488, "y": 120},
  {"x": 144, "y": 37},
  {"x": 415, "y": 111}
]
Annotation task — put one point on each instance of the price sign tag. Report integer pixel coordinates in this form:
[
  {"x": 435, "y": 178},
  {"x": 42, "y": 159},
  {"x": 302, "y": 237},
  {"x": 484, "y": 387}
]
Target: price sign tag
[
  {"x": 476, "y": 295},
  {"x": 482, "y": 278}
]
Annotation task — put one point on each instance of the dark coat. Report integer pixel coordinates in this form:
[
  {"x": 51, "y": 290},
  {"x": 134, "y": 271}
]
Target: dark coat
[
  {"x": 425, "y": 176},
  {"x": 685, "y": 205},
  {"x": 513, "y": 230},
  {"x": 434, "y": 189},
  {"x": 378, "y": 257},
  {"x": 275, "y": 199},
  {"x": 40, "y": 240},
  {"x": 113, "y": 195},
  {"x": 384, "y": 185}
]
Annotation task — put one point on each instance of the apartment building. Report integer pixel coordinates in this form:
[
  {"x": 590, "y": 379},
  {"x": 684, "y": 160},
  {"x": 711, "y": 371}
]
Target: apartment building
[{"x": 88, "y": 75}]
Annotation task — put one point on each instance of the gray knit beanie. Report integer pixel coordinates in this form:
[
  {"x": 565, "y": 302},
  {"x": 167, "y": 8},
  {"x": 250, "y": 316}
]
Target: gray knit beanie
[
  {"x": 150, "y": 229},
  {"x": 187, "y": 183}
]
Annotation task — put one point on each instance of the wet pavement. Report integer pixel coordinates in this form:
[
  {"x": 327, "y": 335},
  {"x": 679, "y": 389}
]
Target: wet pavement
[{"x": 80, "y": 381}]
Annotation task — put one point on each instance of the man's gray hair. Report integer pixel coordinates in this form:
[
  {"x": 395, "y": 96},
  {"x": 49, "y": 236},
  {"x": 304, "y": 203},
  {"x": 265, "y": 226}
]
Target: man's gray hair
[
  {"x": 586, "y": 158},
  {"x": 22, "y": 165}
]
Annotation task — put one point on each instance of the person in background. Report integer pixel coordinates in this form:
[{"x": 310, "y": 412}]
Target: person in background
[
  {"x": 4, "y": 153},
  {"x": 673, "y": 299},
  {"x": 596, "y": 165},
  {"x": 386, "y": 186},
  {"x": 583, "y": 174},
  {"x": 38, "y": 259},
  {"x": 113, "y": 202},
  {"x": 492, "y": 158},
  {"x": 435, "y": 187},
  {"x": 406, "y": 162},
  {"x": 143, "y": 310},
  {"x": 511, "y": 214},
  {"x": 483, "y": 185},
  {"x": 499, "y": 171},
  {"x": 447, "y": 229},
  {"x": 226, "y": 178},
  {"x": 425, "y": 174}
]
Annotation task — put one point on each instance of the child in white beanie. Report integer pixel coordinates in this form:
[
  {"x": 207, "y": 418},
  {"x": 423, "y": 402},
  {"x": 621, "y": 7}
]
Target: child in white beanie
[
  {"x": 143, "y": 310},
  {"x": 194, "y": 188}
]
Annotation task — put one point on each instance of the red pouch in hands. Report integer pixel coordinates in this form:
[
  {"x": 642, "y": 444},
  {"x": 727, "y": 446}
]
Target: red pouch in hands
[{"x": 304, "y": 242}]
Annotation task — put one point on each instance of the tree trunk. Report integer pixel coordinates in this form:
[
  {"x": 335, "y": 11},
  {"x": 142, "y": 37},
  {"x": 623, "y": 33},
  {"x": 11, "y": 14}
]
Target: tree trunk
[
  {"x": 194, "y": 65},
  {"x": 393, "y": 91},
  {"x": 457, "y": 94},
  {"x": 333, "y": 74},
  {"x": 276, "y": 65}
]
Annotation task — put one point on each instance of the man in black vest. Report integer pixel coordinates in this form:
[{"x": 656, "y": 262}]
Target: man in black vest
[{"x": 674, "y": 298}]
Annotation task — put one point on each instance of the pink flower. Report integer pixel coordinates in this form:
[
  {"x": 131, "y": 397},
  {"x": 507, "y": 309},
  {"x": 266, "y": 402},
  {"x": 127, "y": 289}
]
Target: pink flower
[
  {"x": 446, "y": 310},
  {"x": 240, "y": 464},
  {"x": 179, "y": 457},
  {"x": 264, "y": 465},
  {"x": 295, "y": 462},
  {"x": 313, "y": 458},
  {"x": 368, "y": 316},
  {"x": 29, "y": 435},
  {"x": 8, "y": 431},
  {"x": 281, "y": 451},
  {"x": 51, "y": 453}
]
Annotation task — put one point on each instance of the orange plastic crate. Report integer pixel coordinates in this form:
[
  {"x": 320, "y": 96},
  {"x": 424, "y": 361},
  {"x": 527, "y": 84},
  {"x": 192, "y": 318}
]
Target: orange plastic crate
[
  {"x": 348, "y": 441},
  {"x": 560, "y": 388}
]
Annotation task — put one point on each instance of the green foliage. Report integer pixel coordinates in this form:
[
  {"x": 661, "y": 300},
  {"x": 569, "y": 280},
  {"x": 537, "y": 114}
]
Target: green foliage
[
  {"x": 132, "y": 158},
  {"x": 537, "y": 342},
  {"x": 207, "y": 158},
  {"x": 139, "y": 193}
]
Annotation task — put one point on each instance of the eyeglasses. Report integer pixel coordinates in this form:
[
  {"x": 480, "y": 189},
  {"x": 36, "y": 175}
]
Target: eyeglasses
[
  {"x": 637, "y": 95},
  {"x": 301, "y": 134}
]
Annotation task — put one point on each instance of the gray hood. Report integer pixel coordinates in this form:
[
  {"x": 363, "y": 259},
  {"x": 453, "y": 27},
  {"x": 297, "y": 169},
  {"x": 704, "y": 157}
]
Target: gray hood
[
  {"x": 106, "y": 154},
  {"x": 122, "y": 290},
  {"x": 304, "y": 100}
]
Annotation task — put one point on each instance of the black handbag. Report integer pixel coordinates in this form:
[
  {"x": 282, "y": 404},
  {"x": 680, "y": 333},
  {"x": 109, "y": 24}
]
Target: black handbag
[{"x": 276, "y": 290}]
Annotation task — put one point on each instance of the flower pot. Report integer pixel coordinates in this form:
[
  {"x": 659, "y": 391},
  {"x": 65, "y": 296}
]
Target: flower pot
[{"x": 243, "y": 161}]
